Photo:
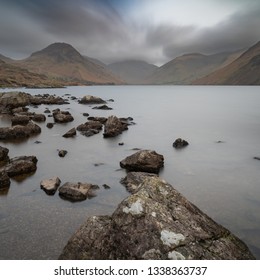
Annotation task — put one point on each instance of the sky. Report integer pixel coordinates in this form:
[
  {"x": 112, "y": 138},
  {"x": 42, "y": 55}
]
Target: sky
[{"x": 155, "y": 31}]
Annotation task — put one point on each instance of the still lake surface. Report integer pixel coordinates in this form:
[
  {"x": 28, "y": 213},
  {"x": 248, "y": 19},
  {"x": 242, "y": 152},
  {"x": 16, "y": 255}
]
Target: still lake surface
[{"x": 222, "y": 179}]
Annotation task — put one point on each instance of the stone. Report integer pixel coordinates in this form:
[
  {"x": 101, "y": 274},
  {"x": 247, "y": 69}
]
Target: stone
[
  {"x": 14, "y": 99},
  {"x": 90, "y": 99},
  {"x": 20, "y": 165},
  {"x": 39, "y": 118},
  {"x": 50, "y": 125},
  {"x": 85, "y": 114},
  {"x": 20, "y": 120},
  {"x": 77, "y": 191},
  {"x": 102, "y": 107},
  {"x": 62, "y": 153},
  {"x": 5, "y": 181},
  {"x": 62, "y": 117},
  {"x": 144, "y": 161},
  {"x": 47, "y": 99},
  {"x": 258, "y": 158},
  {"x": 180, "y": 143},
  {"x": 50, "y": 186},
  {"x": 98, "y": 119},
  {"x": 4, "y": 154},
  {"x": 106, "y": 186},
  {"x": 154, "y": 222},
  {"x": 90, "y": 128},
  {"x": 19, "y": 131},
  {"x": 71, "y": 133},
  {"x": 113, "y": 127}
]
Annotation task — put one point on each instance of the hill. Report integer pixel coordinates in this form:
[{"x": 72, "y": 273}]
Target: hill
[
  {"x": 132, "y": 71},
  {"x": 189, "y": 67},
  {"x": 61, "y": 60},
  {"x": 245, "y": 70}
]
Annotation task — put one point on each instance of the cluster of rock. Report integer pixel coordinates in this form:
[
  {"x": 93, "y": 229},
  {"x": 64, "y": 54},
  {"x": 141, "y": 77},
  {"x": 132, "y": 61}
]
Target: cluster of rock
[{"x": 154, "y": 222}]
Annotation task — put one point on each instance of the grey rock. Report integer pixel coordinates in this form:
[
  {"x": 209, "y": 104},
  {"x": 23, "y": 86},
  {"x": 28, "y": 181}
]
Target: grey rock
[
  {"x": 102, "y": 107},
  {"x": 144, "y": 161},
  {"x": 50, "y": 186},
  {"x": 77, "y": 191},
  {"x": 180, "y": 143},
  {"x": 155, "y": 222},
  {"x": 90, "y": 128},
  {"x": 114, "y": 127}
]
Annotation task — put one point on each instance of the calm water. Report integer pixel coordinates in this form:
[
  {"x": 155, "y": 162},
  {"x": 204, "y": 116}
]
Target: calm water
[{"x": 222, "y": 179}]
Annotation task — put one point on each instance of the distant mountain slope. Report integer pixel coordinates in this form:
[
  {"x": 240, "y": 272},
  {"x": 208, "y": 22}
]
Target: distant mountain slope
[
  {"x": 186, "y": 68},
  {"x": 5, "y": 58},
  {"x": 61, "y": 60},
  {"x": 132, "y": 71},
  {"x": 245, "y": 70},
  {"x": 13, "y": 76}
]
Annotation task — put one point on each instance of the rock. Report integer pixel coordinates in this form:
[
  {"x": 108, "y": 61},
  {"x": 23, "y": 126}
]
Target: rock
[
  {"x": 20, "y": 120},
  {"x": 102, "y": 107},
  {"x": 90, "y": 99},
  {"x": 47, "y": 111},
  {"x": 106, "y": 186},
  {"x": 113, "y": 127},
  {"x": 19, "y": 110},
  {"x": 62, "y": 117},
  {"x": 258, "y": 158},
  {"x": 37, "y": 142},
  {"x": 14, "y": 99},
  {"x": 62, "y": 153},
  {"x": 144, "y": 160},
  {"x": 71, "y": 133},
  {"x": 90, "y": 128},
  {"x": 127, "y": 121},
  {"x": 50, "y": 186},
  {"x": 85, "y": 114},
  {"x": 50, "y": 125},
  {"x": 19, "y": 131},
  {"x": 20, "y": 165},
  {"x": 180, "y": 143},
  {"x": 4, "y": 154},
  {"x": 121, "y": 143},
  {"x": 77, "y": 191},
  {"x": 39, "y": 118},
  {"x": 98, "y": 119},
  {"x": 5, "y": 181},
  {"x": 47, "y": 99},
  {"x": 155, "y": 222}
]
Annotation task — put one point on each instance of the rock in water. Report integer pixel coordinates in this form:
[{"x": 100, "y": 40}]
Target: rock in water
[
  {"x": 71, "y": 133},
  {"x": 77, "y": 191},
  {"x": 114, "y": 127},
  {"x": 144, "y": 161},
  {"x": 4, "y": 180},
  {"x": 180, "y": 143},
  {"x": 90, "y": 99},
  {"x": 4, "y": 154},
  {"x": 62, "y": 153},
  {"x": 50, "y": 186},
  {"x": 155, "y": 222},
  {"x": 62, "y": 116}
]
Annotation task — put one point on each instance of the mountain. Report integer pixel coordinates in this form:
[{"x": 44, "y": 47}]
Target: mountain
[
  {"x": 132, "y": 71},
  {"x": 61, "y": 60},
  {"x": 189, "y": 67},
  {"x": 14, "y": 76},
  {"x": 5, "y": 58},
  {"x": 245, "y": 70}
]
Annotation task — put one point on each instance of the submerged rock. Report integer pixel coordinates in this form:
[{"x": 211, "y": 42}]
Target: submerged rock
[
  {"x": 154, "y": 222},
  {"x": 50, "y": 186},
  {"x": 90, "y": 99},
  {"x": 77, "y": 191},
  {"x": 144, "y": 160},
  {"x": 180, "y": 143},
  {"x": 114, "y": 127}
]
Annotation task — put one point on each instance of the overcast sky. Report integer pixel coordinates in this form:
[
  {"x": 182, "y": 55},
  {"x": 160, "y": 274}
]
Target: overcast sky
[{"x": 112, "y": 30}]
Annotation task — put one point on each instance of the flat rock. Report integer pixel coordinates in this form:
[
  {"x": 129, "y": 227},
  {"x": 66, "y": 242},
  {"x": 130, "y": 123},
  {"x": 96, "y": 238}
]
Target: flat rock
[
  {"x": 90, "y": 99},
  {"x": 50, "y": 186},
  {"x": 144, "y": 161},
  {"x": 71, "y": 133},
  {"x": 155, "y": 222},
  {"x": 180, "y": 143},
  {"x": 19, "y": 131},
  {"x": 77, "y": 191},
  {"x": 90, "y": 128},
  {"x": 98, "y": 119},
  {"x": 102, "y": 107},
  {"x": 20, "y": 165},
  {"x": 114, "y": 127}
]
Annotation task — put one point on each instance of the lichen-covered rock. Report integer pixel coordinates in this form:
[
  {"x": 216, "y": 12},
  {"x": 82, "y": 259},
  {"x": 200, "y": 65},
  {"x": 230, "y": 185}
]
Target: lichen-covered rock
[
  {"x": 144, "y": 161},
  {"x": 180, "y": 143},
  {"x": 20, "y": 165},
  {"x": 50, "y": 186},
  {"x": 90, "y": 99},
  {"x": 19, "y": 131},
  {"x": 155, "y": 222},
  {"x": 114, "y": 127},
  {"x": 77, "y": 191}
]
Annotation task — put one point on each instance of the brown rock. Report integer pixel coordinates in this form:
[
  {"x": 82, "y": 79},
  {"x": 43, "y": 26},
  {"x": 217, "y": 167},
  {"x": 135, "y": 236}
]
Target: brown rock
[
  {"x": 114, "y": 127},
  {"x": 62, "y": 117},
  {"x": 71, "y": 133},
  {"x": 90, "y": 99},
  {"x": 50, "y": 186},
  {"x": 90, "y": 128},
  {"x": 4, "y": 154},
  {"x": 180, "y": 143},
  {"x": 20, "y": 120},
  {"x": 4, "y": 180}
]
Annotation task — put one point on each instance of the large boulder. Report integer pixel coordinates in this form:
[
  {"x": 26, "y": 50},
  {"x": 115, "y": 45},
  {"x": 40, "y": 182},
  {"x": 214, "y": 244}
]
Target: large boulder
[
  {"x": 144, "y": 161},
  {"x": 114, "y": 127},
  {"x": 90, "y": 99},
  {"x": 19, "y": 131},
  {"x": 20, "y": 165},
  {"x": 155, "y": 222},
  {"x": 14, "y": 99},
  {"x": 77, "y": 191}
]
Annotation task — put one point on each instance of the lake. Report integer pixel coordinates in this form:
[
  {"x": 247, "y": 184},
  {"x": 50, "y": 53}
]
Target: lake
[{"x": 222, "y": 179}]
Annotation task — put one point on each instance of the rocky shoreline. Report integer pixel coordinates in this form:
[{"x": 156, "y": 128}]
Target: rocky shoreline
[{"x": 154, "y": 222}]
